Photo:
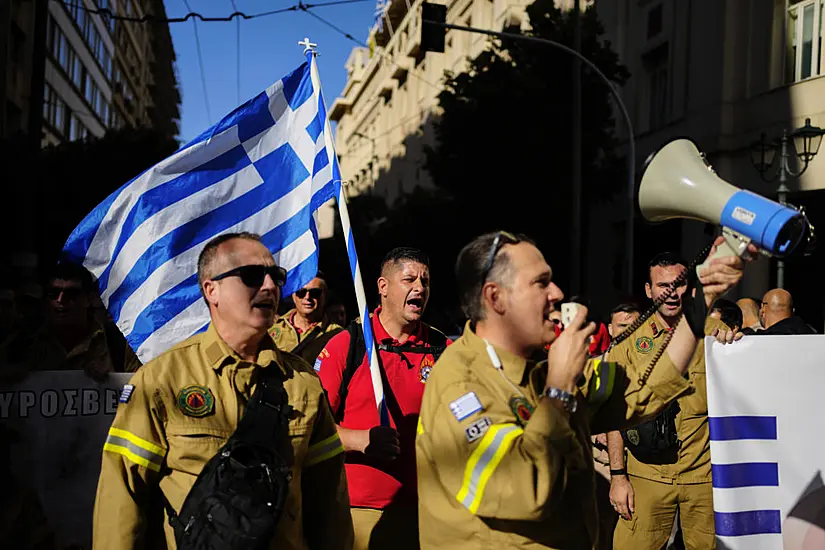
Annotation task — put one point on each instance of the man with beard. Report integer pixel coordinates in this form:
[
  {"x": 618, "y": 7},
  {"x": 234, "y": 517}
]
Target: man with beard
[
  {"x": 668, "y": 466},
  {"x": 306, "y": 329},
  {"x": 182, "y": 407},
  {"x": 380, "y": 460}
]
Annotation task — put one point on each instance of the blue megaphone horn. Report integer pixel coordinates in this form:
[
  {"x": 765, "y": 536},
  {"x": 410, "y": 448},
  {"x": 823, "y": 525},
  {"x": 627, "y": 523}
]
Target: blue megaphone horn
[{"x": 678, "y": 182}]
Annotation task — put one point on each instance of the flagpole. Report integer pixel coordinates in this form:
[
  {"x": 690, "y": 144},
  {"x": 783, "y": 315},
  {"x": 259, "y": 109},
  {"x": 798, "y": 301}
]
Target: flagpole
[{"x": 355, "y": 270}]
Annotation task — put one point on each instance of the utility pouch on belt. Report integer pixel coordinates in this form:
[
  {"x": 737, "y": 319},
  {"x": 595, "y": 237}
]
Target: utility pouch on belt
[
  {"x": 655, "y": 439},
  {"x": 239, "y": 496}
]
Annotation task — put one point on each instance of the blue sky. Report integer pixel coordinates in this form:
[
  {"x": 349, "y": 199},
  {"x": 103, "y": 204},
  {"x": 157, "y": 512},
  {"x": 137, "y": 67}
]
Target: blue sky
[{"x": 269, "y": 50}]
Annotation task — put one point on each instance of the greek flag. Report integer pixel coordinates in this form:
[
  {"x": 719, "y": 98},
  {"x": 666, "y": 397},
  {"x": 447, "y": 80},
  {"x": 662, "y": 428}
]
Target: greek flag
[
  {"x": 381, "y": 7},
  {"x": 767, "y": 457},
  {"x": 266, "y": 168}
]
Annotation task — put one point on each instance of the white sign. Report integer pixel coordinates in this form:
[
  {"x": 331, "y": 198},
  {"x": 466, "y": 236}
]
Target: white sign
[
  {"x": 58, "y": 423},
  {"x": 766, "y": 403}
]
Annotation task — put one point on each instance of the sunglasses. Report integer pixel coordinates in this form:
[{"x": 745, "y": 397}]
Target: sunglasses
[
  {"x": 253, "y": 276},
  {"x": 314, "y": 293},
  {"x": 69, "y": 294},
  {"x": 502, "y": 238}
]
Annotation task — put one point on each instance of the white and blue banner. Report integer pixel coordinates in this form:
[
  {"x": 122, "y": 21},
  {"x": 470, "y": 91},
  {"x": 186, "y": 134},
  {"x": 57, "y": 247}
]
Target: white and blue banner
[
  {"x": 264, "y": 168},
  {"x": 766, "y": 408}
]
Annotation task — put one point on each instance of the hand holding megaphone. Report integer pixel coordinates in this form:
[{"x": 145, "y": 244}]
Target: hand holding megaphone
[{"x": 721, "y": 272}]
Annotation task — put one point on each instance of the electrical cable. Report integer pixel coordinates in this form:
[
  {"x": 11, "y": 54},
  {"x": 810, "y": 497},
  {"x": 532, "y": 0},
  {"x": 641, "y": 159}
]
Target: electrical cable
[{"x": 200, "y": 64}]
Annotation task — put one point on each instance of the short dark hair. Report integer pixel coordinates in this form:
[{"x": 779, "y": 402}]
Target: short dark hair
[
  {"x": 664, "y": 259},
  {"x": 404, "y": 253},
  {"x": 207, "y": 256},
  {"x": 731, "y": 315},
  {"x": 470, "y": 267},
  {"x": 70, "y": 271},
  {"x": 626, "y": 307}
]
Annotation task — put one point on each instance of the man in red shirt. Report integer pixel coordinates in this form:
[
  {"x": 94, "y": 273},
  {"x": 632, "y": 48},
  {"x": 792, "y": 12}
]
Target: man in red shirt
[{"x": 380, "y": 461}]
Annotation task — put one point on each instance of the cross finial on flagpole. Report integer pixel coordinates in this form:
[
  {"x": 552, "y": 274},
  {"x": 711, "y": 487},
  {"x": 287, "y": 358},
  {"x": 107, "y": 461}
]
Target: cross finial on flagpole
[{"x": 308, "y": 46}]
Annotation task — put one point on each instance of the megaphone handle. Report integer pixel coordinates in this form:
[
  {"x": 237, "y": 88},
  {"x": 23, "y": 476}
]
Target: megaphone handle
[{"x": 735, "y": 244}]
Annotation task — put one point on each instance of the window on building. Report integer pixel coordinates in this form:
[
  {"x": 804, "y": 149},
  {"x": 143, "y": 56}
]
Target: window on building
[
  {"x": 804, "y": 39},
  {"x": 654, "y": 21},
  {"x": 77, "y": 72},
  {"x": 656, "y": 67},
  {"x": 74, "y": 127}
]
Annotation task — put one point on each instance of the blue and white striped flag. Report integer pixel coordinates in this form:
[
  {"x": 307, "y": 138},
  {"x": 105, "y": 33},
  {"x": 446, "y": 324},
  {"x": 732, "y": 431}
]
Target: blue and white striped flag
[
  {"x": 765, "y": 408},
  {"x": 381, "y": 7},
  {"x": 264, "y": 168}
]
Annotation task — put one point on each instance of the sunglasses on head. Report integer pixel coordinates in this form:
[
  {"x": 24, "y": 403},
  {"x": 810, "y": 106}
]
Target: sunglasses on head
[
  {"x": 314, "y": 293},
  {"x": 253, "y": 276},
  {"x": 502, "y": 238},
  {"x": 71, "y": 293}
]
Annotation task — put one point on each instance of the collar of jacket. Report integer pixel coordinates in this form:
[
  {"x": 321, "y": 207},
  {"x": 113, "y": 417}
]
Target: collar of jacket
[
  {"x": 514, "y": 367},
  {"x": 220, "y": 354}
]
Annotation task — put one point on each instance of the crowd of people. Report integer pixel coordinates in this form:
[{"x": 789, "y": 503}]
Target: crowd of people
[{"x": 485, "y": 440}]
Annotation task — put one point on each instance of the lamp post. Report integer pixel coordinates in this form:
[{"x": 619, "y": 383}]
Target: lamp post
[
  {"x": 372, "y": 159},
  {"x": 805, "y": 141}
]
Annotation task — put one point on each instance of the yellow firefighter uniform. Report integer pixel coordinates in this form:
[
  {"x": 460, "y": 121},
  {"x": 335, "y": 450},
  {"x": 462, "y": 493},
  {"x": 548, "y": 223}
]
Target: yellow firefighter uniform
[
  {"x": 162, "y": 436},
  {"x": 306, "y": 344},
  {"x": 686, "y": 482},
  {"x": 500, "y": 467}
]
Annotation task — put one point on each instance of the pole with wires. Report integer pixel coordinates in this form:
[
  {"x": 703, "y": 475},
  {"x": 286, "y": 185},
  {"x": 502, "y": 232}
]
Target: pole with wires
[{"x": 343, "y": 212}]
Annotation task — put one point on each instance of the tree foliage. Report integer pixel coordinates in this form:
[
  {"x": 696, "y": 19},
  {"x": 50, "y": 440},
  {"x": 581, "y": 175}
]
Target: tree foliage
[{"x": 504, "y": 144}]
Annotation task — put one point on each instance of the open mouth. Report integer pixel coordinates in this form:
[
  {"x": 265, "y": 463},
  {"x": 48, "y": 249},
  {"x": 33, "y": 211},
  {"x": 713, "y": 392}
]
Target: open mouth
[
  {"x": 416, "y": 304},
  {"x": 264, "y": 305}
]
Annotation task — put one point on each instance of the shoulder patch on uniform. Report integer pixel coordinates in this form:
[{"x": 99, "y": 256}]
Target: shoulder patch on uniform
[
  {"x": 425, "y": 368},
  {"x": 196, "y": 401},
  {"x": 644, "y": 344},
  {"x": 522, "y": 409},
  {"x": 465, "y": 405},
  {"x": 126, "y": 393},
  {"x": 633, "y": 436},
  {"x": 475, "y": 430},
  {"x": 317, "y": 365}
]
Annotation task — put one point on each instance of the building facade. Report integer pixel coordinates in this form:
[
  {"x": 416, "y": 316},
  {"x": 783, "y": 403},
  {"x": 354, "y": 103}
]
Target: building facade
[
  {"x": 95, "y": 72},
  {"x": 723, "y": 73},
  {"x": 384, "y": 112}
]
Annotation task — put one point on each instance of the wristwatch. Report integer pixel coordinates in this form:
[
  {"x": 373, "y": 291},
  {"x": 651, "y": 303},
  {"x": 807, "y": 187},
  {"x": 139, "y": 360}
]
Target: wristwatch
[
  {"x": 618, "y": 472},
  {"x": 568, "y": 400}
]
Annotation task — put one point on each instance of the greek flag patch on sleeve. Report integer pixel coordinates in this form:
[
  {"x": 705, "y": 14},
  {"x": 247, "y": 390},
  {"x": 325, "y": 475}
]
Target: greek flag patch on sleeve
[
  {"x": 465, "y": 405},
  {"x": 317, "y": 365},
  {"x": 126, "y": 393}
]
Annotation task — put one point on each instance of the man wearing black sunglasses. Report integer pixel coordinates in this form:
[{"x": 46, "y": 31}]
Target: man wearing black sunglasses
[
  {"x": 183, "y": 406},
  {"x": 306, "y": 329},
  {"x": 503, "y": 444}
]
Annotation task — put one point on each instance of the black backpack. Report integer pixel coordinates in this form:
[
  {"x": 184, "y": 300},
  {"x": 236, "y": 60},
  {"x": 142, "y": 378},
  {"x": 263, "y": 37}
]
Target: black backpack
[
  {"x": 437, "y": 343},
  {"x": 656, "y": 440},
  {"x": 239, "y": 496}
]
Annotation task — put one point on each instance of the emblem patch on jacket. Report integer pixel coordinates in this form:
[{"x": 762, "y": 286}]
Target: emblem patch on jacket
[
  {"x": 196, "y": 401},
  {"x": 126, "y": 393},
  {"x": 522, "y": 409},
  {"x": 426, "y": 367},
  {"x": 644, "y": 344},
  {"x": 633, "y": 436},
  {"x": 476, "y": 429},
  {"x": 465, "y": 406}
]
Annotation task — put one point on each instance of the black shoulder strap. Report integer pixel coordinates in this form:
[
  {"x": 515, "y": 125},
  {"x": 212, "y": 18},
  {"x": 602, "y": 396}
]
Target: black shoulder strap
[
  {"x": 311, "y": 337},
  {"x": 436, "y": 344},
  {"x": 355, "y": 356},
  {"x": 266, "y": 419}
]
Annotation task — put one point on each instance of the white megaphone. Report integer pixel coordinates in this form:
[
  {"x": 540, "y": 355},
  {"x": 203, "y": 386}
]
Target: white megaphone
[{"x": 678, "y": 182}]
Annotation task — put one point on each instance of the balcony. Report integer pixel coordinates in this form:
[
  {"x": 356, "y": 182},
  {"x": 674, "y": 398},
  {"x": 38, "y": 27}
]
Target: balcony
[{"x": 340, "y": 107}]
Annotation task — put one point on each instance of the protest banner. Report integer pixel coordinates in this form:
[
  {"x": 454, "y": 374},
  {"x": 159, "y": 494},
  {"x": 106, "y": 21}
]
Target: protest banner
[
  {"x": 765, "y": 408},
  {"x": 54, "y": 427}
]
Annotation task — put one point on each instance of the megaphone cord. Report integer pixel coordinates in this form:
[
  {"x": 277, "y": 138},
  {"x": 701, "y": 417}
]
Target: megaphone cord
[{"x": 649, "y": 312}]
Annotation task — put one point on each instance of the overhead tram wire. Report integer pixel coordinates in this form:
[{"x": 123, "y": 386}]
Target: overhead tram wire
[
  {"x": 200, "y": 64},
  {"x": 106, "y": 12},
  {"x": 237, "y": 50}
]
